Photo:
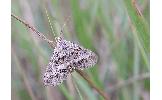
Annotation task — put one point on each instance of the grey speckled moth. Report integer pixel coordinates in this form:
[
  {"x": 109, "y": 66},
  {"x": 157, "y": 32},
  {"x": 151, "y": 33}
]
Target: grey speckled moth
[{"x": 67, "y": 56}]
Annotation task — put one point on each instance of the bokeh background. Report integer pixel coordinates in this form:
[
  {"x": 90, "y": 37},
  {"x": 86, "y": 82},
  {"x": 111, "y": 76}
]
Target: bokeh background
[{"x": 117, "y": 30}]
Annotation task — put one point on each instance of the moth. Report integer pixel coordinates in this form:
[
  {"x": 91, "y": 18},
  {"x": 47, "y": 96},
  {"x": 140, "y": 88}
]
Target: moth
[{"x": 67, "y": 56}]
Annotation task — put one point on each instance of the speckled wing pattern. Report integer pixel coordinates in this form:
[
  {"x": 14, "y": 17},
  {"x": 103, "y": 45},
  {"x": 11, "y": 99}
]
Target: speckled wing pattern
[{"x": 67, "y": 56}]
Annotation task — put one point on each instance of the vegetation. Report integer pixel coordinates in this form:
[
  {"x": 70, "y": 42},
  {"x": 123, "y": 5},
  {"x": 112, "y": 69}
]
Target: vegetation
[{"x": 117, "y": 30}]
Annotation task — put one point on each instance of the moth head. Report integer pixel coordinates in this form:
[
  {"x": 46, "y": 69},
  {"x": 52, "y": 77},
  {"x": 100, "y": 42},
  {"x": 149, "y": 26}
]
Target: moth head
[{"x": 58, "y": 39}]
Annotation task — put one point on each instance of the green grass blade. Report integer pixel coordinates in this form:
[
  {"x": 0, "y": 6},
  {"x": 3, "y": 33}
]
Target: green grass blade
[
  {"x": 140, "y": 25},
  {"x": 65, "y": 92}
]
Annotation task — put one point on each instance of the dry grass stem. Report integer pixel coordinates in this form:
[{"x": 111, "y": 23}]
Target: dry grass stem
[
  {"x": 130, "y": 81},
  {"x": 134, "y": 3},
  {"x": 34, "y": 30},
  {"x": 102, "y": 93}
]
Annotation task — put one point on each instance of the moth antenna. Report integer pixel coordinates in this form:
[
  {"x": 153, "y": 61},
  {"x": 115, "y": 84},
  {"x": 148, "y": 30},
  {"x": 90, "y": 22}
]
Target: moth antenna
[
  {"x": 33, "y": 29},
  {"x": 66, "y": 21},
  {"x": 49, "y": 21}
]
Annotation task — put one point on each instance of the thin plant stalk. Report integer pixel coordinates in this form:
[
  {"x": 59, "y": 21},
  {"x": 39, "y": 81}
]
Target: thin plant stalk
[
  {"x": 129, "y": 81},
  {"x": 33, "y": 29},
  {"x": 102, "y": 93}
]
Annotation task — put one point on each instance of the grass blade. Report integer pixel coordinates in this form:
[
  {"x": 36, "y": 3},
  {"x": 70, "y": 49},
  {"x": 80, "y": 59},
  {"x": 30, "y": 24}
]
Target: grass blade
[{"x": 140, "y": 25}]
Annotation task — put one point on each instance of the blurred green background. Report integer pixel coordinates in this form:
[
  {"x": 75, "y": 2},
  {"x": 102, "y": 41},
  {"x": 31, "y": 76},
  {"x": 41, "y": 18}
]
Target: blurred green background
[{"x": 117, "y": 30}]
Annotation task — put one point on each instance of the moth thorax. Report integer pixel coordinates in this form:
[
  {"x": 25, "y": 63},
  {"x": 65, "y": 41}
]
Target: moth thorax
[{"x": 70, "y": 68}]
